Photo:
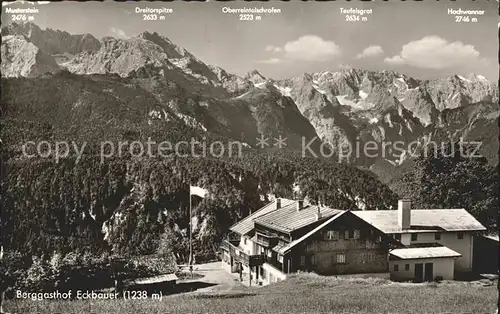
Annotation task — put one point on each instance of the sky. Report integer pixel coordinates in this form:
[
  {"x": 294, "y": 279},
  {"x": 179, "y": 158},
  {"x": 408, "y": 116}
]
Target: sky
[{"x": 416, "y": 38}]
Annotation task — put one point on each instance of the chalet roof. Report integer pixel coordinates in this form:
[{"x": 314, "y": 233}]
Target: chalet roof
[
  {"x": 288, "y": 218},
  {"x": 152, "y": 280},
  {"x": 422, "y": 220},
  {"x": 425, "y": 252},
  {"x": 246, "y": 225},
  {"x": 279, "y": 247},
  {"x": 493, "y": 237},
  {"x": 282, "y": 249}
]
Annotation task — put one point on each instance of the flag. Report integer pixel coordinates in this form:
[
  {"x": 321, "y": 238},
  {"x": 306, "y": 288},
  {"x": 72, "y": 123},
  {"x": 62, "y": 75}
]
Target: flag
[{"x": 196, "y": 190}]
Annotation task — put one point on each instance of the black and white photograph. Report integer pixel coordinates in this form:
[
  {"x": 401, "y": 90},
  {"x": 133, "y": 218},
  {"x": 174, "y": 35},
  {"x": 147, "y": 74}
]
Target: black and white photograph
[{"x": 249, "y": 157}]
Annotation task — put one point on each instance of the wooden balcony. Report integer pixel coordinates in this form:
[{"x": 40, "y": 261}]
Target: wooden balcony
[{"x": 240, "y": 256}]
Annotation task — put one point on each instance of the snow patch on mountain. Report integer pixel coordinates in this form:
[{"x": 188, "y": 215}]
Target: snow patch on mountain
[
  {"x": 261, "y": 85},
  {"x": 387, "y": 119},
  {"x": 242, "y": 95},
  {"x": 347, "y": 102},
  {"x": 464, "y": 79},
  {"x": 191, "y": 121},
  {"x": 319, "y": 90},
  {"x": 363, "y": 94},
  {"x": 285, "y": 91}
]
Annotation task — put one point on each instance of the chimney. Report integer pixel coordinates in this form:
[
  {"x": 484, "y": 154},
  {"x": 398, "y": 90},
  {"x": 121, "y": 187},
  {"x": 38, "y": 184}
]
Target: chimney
[
  {"x": 278, "y": 203},
  {"x": 318, "y": 214},
  {"x": 300, "y": 204},
  {"x": 404, "y": 214}
]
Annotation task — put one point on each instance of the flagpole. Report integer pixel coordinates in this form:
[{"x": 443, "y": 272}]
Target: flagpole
[{"x": 190, "y": 235}]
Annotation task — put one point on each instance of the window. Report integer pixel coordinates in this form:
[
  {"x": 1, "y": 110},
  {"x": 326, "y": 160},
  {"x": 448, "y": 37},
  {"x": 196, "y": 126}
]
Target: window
[
  {"x": 351, "y": 234},
  {"x": 460, "y": 235},
  {"x": 346, "y": 234},
  {"x": 396, "y": 267},
  {"x": 340, "y": 258},
  {"x": 437, "y": 236},
  {"x": 313, "y": 259},
  {"x": 245, "y": 241},
  {"x": 407, "y": 267},
  {"x": 379, "y": 239},
  {"x": 414, "y": 236},
  {"x": 302, "y": 260},
  {"x": 367, "y": 257},
  {"x": 328, "y": 235},
  {"x": 397, "y": 236},
  {"x": 280, "y": 258},
  {"x": 332, "y": 235},
  {"x": 357, "y": 234}
]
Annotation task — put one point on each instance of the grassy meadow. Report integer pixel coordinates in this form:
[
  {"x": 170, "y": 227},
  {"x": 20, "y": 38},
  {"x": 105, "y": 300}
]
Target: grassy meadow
[{"x": 301, "y": 293}]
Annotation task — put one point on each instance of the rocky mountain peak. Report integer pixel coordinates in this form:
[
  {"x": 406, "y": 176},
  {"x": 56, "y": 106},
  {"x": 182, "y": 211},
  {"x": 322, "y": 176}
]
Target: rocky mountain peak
[
  {"x": 338, "y": 105},
  {"x": 20, "y": 29},
  {"x": 171, "y": 49},
  {"x": 120, "y": 56},
  {"x": 255, "y": 77},
  {"x": 21, "y": 57},
  {"x": 305, "y": 77},
  {"x": 52, "y": 41}
]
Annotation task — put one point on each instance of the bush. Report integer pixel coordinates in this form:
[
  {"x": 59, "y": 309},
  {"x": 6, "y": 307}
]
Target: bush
[{"x": 40, "y": 277}]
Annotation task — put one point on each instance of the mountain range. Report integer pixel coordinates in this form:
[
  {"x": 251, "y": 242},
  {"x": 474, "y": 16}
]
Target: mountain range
[{"x": 347, "y": 107}]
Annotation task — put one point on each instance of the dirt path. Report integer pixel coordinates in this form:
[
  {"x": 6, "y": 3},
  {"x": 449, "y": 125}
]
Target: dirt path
[{"x": 215, "y": 279}]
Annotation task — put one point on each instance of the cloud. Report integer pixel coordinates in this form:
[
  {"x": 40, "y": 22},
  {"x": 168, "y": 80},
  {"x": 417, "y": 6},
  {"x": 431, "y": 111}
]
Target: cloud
[
  {"x": 118, "y": 33},
  {"x": 273, "y": 49},
  {"x": 311, "y": 48},
  {"x": 396, "y": 60},
  {"x": 434, "y": 52},
  {"x": 371, "y": 51},
  {"x": 344, "y": 66},
  {"x": 270, "y": 61},
  {"x": 305, "y": 48}
]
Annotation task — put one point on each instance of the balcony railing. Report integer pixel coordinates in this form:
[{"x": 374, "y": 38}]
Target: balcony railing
[
  {"x": 240, "y": 256},
  {"x": 266, "y": 240}
]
